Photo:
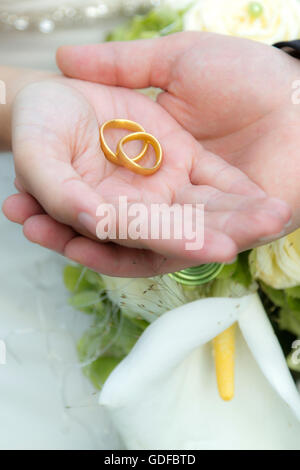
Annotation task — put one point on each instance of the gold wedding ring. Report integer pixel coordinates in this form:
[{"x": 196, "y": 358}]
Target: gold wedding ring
[
  {"x": 120, "y": 124},
  {"x": 129, "y": 163},
  {"x": 120, "y": 157}
]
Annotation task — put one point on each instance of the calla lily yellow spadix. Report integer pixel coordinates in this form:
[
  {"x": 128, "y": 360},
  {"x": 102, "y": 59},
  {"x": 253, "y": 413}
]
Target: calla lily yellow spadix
[{"x": 224, "y": 350}]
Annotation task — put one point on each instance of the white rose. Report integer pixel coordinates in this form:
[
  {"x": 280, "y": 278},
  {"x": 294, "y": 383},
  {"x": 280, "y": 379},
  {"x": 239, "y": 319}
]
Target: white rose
[
  {"x": 278, "y": 263},
  {"x": 267, "y": 21}
]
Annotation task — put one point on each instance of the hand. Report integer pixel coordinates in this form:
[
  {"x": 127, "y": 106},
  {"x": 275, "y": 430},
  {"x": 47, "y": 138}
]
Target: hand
[
  {"x": 59, "y": 163},
  {"x": 233, "y": 95}
]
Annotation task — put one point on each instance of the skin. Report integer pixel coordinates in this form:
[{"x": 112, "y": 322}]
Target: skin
[{"x": 226, "y": 102}]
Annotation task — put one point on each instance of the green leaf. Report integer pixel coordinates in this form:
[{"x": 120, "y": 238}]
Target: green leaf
[
  {"x": 86, "y": 301},
  {"x": 174, "y": 27},
  {"x": 148, "y": 34},
  {"x": 94, "y": 279},
  {"x": 79, "y": 278},
  {"x": 89, "y": 346},
  {"x": 228, "y": 271},
  {"x": 290, "y": 321},
  {"x": 114, "y": 337},
  {"x": 139, "y": 322},
  {"x": 242, "y": 273},
  {"x": 277, "y": 296},
  {"x": 115, "y": 342},
  {"x": 99, "y": 370},
  {"x": 293, "y": 303},
  {"x": 158, "y": 22},
  {"x": 127, "y": 335},
  {"x": 74, "y": 278},
  {"x": 293, "y": 292}
]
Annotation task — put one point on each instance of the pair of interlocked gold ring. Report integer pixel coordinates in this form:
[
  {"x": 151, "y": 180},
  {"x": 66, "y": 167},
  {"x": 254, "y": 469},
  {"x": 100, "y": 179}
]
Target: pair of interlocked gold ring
[{"x": 120, "y": 157}]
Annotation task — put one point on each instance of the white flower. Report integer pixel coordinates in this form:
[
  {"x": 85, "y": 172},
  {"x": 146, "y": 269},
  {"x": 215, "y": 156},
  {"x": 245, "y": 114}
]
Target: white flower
[
  {"x": 278, "y": 263},
  {"x": 268, "y": 21},
  {"x": 148, "y": 298},
  {"x": 164, "y": 394}
]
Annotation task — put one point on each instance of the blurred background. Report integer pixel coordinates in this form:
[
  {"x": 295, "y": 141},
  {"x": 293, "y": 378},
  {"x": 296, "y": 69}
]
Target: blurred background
[{"x": 44, "y": 400}]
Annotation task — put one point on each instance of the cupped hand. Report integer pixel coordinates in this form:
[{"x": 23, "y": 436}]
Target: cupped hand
[
  {"x": 63, "y": 178},
  {"x": 233, "y": 95}
]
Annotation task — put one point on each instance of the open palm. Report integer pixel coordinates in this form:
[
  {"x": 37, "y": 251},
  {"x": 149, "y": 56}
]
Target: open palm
[
  {"x": 59, "y": 162},
  {"x": 233, "y": 95}
]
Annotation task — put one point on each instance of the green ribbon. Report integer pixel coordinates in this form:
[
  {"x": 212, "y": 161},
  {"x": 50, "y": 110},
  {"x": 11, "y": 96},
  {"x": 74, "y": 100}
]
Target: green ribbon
[{"x": 197, "y": 275}]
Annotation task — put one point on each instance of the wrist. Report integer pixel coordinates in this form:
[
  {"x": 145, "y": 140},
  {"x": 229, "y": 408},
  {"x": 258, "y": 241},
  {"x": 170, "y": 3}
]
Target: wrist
[{"x": 12, "y": 80}]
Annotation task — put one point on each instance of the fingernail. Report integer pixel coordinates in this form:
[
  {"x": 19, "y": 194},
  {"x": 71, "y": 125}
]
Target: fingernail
[{"x": 88, "y": 222}]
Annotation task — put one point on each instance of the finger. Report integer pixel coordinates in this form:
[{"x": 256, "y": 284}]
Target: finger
[
  {"x": 109, "y": 259},
  {"x": 213, "y": 199},
  {"x": 19, "y": 207},
  {"x": 168, "y": 230},
  {"x": 114, "y": 260},
  {"x": 210, "y": 169},
  {"x": 244, "y": 219},
  {"x": 247, "y": 227},
  {"x": 47, "y": 232},
  {"x": 134, "y": 64},
  {"x": 216, "y": 200},
  {"x": 209, "y": 246}
]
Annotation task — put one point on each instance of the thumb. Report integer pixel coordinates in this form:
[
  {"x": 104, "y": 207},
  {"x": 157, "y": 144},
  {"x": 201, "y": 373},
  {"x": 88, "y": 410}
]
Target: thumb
[
  {"x": 58, "y": 188},
  {"x": 133, "y": 64}
]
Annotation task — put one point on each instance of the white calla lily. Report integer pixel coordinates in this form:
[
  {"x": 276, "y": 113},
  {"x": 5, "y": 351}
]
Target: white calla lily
[{"x": 164, "y": 394}]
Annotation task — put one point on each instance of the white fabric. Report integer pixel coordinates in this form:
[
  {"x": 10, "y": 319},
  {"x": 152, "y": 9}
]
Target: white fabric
[{"x": 45, "y": 401}]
